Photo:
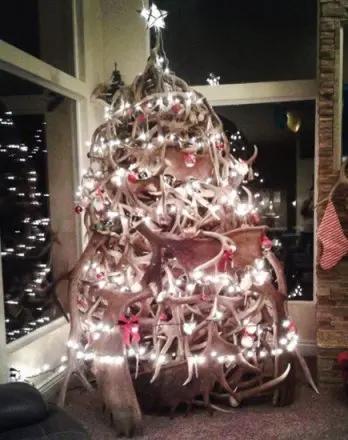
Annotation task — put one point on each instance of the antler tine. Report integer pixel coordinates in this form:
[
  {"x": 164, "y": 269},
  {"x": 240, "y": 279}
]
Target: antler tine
[{"x": 244, "y": 394}]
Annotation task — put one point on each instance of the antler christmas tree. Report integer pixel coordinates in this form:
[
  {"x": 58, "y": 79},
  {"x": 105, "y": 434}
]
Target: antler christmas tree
[{"x": 175, "y": 281}]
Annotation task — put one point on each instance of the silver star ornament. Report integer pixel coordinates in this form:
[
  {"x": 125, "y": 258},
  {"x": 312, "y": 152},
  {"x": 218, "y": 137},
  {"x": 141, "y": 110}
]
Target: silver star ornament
[{"x": 154, "y": 17}]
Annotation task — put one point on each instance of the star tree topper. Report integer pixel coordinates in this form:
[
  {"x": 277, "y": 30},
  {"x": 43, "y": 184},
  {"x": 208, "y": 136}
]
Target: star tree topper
[{"x": 154, "y": 17}]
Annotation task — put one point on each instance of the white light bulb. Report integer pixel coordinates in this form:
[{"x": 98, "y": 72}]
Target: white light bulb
[
  {"x": 242, "y": 168},
  {"x": 243, "y": 209},
  {"x": 190, "y": 287},
  {"x": 112, "y": 214},
  {"x": 189, "y": 327},
  {"x": 260, "y": 277},
  {"x": 197, "y": 274},
  {"x": 199, "y": 359},
  {"x": 142, "y": 350},
  {"x": 161, "y": 359},
  {"x": 79, "y": 354},
  {"x": 286, "y": 323},
  {"x": 218, "y": 315},
  {"x": 251, "y": 329},
  {"x": 221, "y": 359},
  {"x": 131, "y": 352},
  {"x": 259, "y": 263},
  {"x": 247, "y": 341},
  {"x": 231, "y": 357},
  {"x": 263, "y": 354}
]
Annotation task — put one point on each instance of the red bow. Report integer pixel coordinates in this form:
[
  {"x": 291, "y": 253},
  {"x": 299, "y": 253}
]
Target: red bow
[
  {"x": 130, "y": 329},
  {"x": 224, "y": 260}
]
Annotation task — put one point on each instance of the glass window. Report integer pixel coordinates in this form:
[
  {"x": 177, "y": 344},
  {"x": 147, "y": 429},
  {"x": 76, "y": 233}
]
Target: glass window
[
  {"x": 42, "y": 28},
  {"x": 283, "y": 180},
  {"x": 37, "y": 234},
  {"x": 241, "y": 41}
]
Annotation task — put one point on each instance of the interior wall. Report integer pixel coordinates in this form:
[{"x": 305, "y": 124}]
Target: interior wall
[
  {"x": 125, "y": 40},
  {"x": 92, "y": 30},
  {"x": 304, "y": 314},
  {"x": 3, "y": 353},
  {"x": 61, "y": 143},
  {"x": 304, "y": 181}
]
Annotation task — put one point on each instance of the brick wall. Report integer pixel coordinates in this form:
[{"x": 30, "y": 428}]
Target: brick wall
[{"x": 332, "y": 286}]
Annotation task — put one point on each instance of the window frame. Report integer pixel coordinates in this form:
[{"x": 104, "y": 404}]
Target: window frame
[
  {"x": 268, "y": 92},
  {"x": 28, "y": 67}
]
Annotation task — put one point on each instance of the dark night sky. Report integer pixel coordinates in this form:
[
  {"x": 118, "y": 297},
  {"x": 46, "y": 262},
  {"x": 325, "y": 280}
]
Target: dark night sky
[
  {"x": 241, "y": 40},
  {"x": 19, "y": 25}
]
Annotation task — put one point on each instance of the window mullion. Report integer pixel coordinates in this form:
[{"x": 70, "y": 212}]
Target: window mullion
[
  {"x": 262, "y": 92},
  {"x": 3, "y": 348},
  {"x": 26, "y": 66}
]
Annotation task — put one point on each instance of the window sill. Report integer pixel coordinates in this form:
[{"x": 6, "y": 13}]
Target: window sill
[{"x": 36, "y": 334}]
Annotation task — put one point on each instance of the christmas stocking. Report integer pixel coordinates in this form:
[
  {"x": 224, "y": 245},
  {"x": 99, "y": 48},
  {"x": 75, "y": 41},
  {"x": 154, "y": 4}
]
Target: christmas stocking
[{"x": 333, "y": 240}]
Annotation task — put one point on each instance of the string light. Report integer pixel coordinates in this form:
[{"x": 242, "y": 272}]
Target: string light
[{"x": 171, "y": 177}]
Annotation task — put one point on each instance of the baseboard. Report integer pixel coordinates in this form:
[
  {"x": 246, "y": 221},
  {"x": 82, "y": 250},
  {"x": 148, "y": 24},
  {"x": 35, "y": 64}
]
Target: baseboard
[{"x": 308, "y": 348}]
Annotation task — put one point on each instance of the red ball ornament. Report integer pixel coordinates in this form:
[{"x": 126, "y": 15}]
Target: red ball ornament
[
  {"x": 266, "y": 243},
  {"x": 163, "y": 316},
  {"x": 78, "y": 209},
  {"x": 100, "y": 275},
  {"x": 176, "y": 108},
  {"x": 141, "y": 118},
  {"x": 132, "y": 178},
  {"x": 190, "y": 160},
  {"x": 292, "y": 328}
]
